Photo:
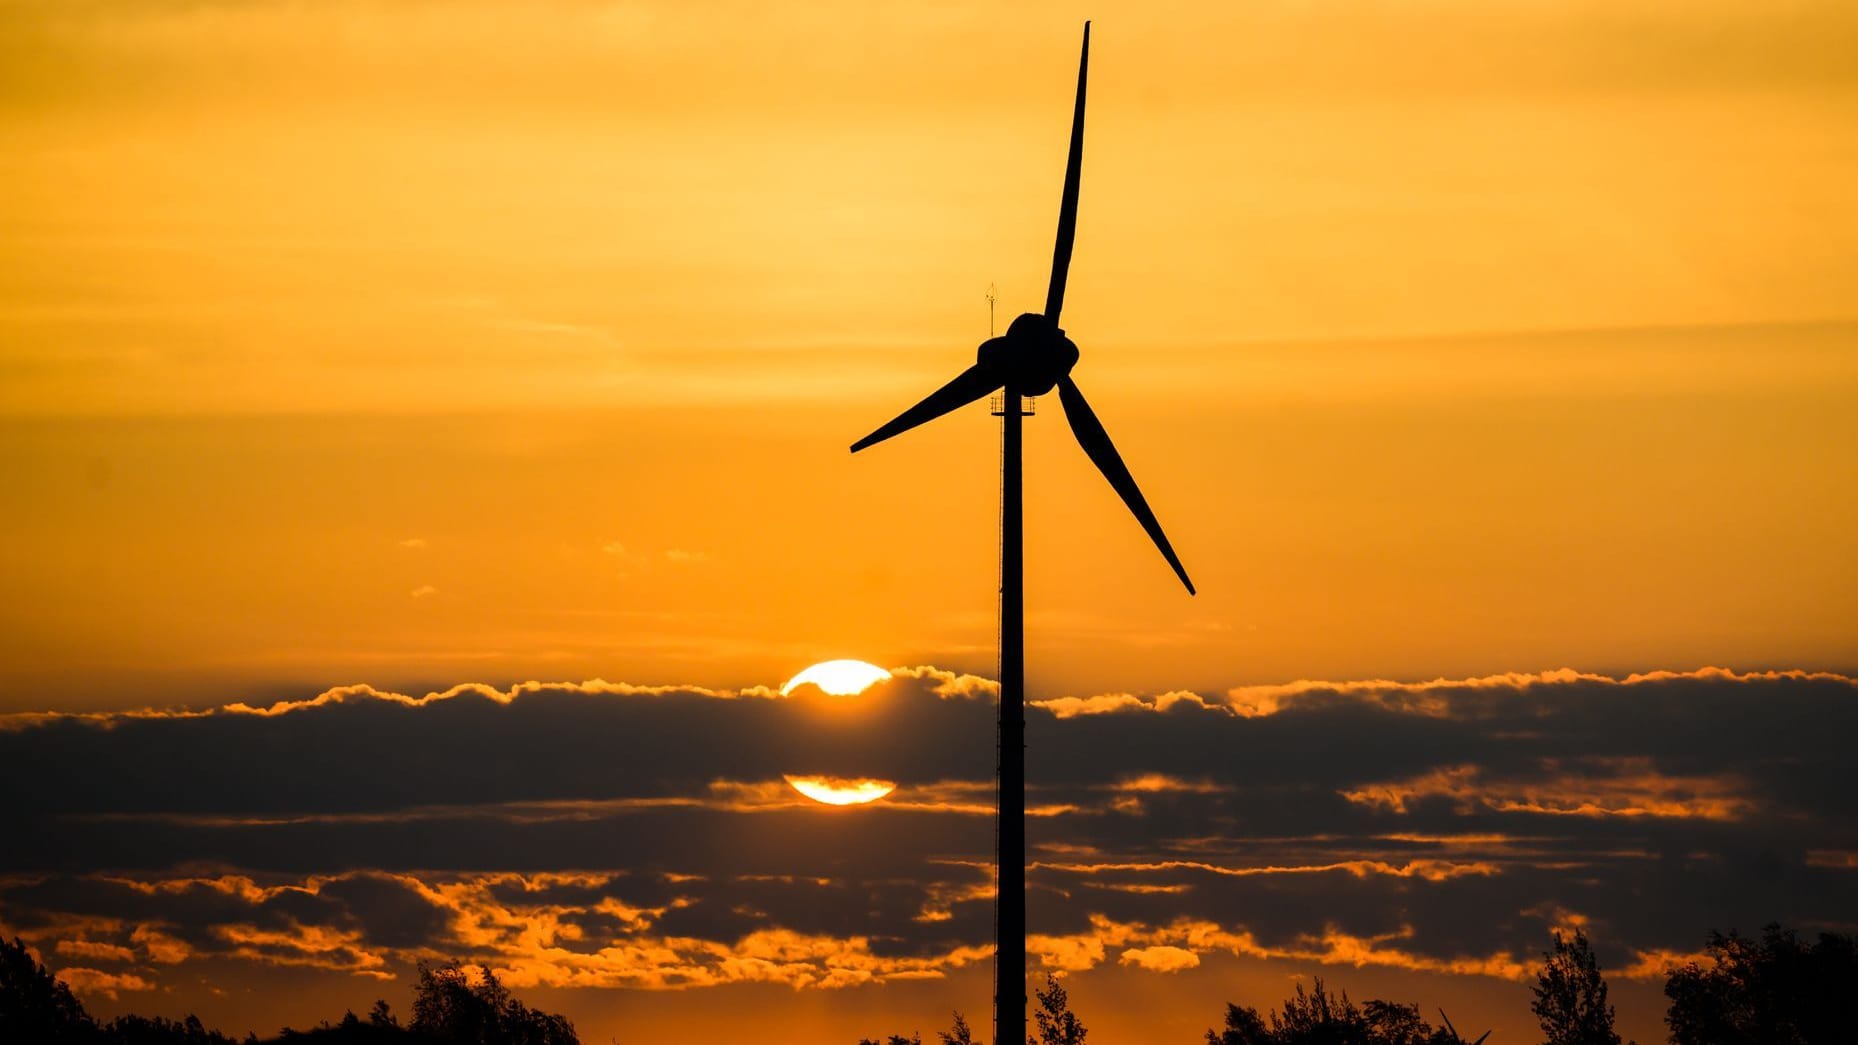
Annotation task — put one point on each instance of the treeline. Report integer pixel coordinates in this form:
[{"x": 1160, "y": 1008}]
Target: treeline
[
  {"x": 1775, "y": 989},
  {"x": 449, "y": 1008}
]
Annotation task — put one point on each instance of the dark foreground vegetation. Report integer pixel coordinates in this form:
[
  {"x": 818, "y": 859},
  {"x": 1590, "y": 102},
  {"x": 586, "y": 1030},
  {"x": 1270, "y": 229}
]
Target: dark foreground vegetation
[
  {"x": 448, "y": 1009},
  {"x": 1773, "y": 990}
]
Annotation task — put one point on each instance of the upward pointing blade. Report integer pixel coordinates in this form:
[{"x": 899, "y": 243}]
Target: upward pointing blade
[
  {"x": 1067, "y": 209},
  {"x": 1102, "y": 452},
  {"x": 969, "y": 385}
]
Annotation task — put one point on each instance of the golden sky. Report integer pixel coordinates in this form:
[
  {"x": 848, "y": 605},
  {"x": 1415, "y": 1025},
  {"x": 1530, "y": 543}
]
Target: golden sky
[
  {"x": 413, "y": 344},
  {"x": 1445, "y": 338}
]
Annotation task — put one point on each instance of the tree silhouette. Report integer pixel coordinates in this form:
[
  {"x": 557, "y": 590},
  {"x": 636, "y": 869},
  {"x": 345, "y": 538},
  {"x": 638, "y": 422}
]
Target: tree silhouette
[
  {"x": 35, "y": 1005},
  {"x": 1772, "y": 991},
  {"x": 448, "y": 1008},
  {"x": 1058, "y": 1025},
  {"x": 1570, "y": 995}
]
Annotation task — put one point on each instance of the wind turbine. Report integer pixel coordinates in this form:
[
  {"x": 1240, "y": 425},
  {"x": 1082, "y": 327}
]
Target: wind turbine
[{"x": 1033, "y": 356}]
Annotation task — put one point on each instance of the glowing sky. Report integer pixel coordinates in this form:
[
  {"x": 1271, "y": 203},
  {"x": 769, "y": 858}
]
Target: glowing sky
[{"x": 455, "y": 343}]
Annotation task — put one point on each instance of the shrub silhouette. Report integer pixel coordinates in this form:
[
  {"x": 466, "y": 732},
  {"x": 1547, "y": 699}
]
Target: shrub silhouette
[
  {"x": 1057, "y": 1024},
  {"x": 1570, "y": 995},
  {"x": 959, "y": 1034},
  {"x": 1317, "y": 1017},
  {"x": 146, "y": 1030}
]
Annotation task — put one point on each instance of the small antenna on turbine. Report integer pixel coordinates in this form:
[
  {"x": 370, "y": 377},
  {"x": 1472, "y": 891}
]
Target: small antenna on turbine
[{"x": 1028, "y": 405}]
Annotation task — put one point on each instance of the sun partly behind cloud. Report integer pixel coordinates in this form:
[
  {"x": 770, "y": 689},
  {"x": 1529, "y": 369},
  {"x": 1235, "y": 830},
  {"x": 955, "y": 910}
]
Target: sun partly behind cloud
[
  {"x": 840, "y": 791},
  {"x": 838, "y": 678}
]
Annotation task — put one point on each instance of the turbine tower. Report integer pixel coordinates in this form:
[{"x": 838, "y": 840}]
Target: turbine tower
[{"x": 1033, "y": 356}]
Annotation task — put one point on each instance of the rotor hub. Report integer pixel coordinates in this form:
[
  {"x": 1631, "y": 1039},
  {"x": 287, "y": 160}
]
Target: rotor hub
[{"x": 1031, "y": 356}]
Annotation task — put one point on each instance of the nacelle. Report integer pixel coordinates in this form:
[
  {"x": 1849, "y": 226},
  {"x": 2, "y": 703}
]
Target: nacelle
[{"x": 1032, "y": 355}]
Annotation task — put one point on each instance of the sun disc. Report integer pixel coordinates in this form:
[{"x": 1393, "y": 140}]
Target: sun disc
[
  {"x": 841, "y": 791},
  {"x": 840, "y": 678}
]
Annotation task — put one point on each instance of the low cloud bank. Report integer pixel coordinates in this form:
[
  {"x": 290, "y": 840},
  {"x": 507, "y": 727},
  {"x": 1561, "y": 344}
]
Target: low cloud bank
[{"x": 600, "y": 834}]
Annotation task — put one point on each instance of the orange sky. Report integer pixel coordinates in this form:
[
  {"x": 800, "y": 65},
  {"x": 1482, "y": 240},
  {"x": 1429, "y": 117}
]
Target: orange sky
[
  {"x": 412, "y": 344},
  {"x": 1443, "y": 340}
]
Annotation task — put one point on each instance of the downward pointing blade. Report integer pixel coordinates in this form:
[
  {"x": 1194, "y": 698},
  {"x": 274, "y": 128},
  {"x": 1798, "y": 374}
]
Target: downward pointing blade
[
  {"x": 969, "y": 385},
  {"x": 1102, "y": 452},
  {"x": 1067, "y": 209}
]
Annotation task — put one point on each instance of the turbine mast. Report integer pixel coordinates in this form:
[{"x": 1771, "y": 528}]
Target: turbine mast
[{"x": 1010, "y": 821}]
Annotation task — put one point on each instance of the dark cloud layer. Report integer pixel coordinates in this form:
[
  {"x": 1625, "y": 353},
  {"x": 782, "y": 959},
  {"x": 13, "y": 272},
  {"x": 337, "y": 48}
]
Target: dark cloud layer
[{"x": 612, "y": 835}]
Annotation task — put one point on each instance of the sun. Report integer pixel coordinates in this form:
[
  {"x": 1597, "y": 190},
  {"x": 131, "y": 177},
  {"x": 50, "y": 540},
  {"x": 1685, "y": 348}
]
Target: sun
[
  {"x": 840, "y": 678},
  {"x": 840, "y": 791}
]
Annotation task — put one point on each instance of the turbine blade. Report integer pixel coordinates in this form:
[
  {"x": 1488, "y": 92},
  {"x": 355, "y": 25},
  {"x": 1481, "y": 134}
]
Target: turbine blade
[
  {"x": 1067, "y": 208},
  {"x": 969, "y": 385},
  {"x": 1102, "y": 453}
]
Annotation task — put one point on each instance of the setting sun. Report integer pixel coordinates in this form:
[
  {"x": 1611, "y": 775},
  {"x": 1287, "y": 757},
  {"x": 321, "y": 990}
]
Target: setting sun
[
  {"x": 838, "y": 791},
  {"x": 840, "y": 678}
]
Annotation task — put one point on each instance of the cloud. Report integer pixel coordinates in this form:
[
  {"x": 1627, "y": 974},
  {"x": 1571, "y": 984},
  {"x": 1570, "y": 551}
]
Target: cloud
[
  {"x": 1160, "y": 959},
  {"x": 306, "y": 946},
  {"x": 952, "y": 684},
  {"x": 1177, "y": 946},
  {"x": 95, "y": 951},
  {"x": 563, "y": 930},
  {"x": 601, "y": 833},
  {"x": 1156, "y": 783},
  {"x": 633, "y": 559},
  {"x": 1111, "y": 703},
  {"x": 1430, "y": 870},
  {"x": 1657, "y": 964},
  {"x": 95, "y": 981},
  {"x": 1628, "y": 787},
  {"x": 158, "y": 946}
]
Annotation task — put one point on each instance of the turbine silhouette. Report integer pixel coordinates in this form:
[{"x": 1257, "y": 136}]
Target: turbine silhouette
[{"x": 1029, "y": 360}]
